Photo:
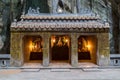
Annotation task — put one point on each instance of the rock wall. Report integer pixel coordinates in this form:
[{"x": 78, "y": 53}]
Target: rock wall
[
  {"x": 34, "y": 4},
  {"x": 119, "y": 25},
  {"x": 16, "y": 9},
  {"x": 5, "y": 26},
  {"x": 9, "y": 10},
  {"x": 115, "y": 29}
]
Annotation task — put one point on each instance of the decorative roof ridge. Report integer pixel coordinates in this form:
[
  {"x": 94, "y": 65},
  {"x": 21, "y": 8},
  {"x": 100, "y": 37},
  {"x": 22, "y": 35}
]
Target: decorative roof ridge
[{"x": 61, "y": 16}]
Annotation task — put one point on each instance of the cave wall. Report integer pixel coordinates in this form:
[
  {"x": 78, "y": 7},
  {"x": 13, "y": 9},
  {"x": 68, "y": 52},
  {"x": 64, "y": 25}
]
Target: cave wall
[
  {"x": 119, "y": 25},
  {"x": 9, "y": 10},
  {"x": 115, "y": 29},
  {"x": 5, "y": 21}
]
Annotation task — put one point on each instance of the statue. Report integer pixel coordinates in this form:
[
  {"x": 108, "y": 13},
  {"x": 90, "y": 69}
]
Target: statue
[
  {"x": 33, "y": 11},
  {"x": 29, "y": 10},
  {"x": 37, "y": 10}
]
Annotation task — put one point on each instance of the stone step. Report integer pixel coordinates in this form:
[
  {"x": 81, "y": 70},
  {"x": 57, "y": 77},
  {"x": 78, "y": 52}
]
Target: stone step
[
  {"x": 91, "y": 70},
  {"x": 60, "y": 70},
  {"x": 30, "y": 70}
]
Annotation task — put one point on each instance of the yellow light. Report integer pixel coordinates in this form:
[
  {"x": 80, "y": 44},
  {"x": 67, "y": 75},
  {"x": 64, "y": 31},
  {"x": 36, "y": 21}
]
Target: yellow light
[
  {"x": 30, "y": 47},
  {"x": 88, "y": 46},
  {"x": 66, "y": 40},
  {"x": 53, "y": 40}
]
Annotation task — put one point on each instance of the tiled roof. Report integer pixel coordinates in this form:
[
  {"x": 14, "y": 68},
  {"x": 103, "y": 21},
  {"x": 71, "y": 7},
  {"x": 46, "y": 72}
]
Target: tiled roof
[{"x": 60, "y": 23}]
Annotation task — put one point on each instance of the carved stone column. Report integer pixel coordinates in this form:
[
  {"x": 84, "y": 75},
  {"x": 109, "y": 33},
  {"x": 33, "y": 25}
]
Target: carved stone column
[
  {"x": 74, "y": 53},
  {"x": 46, "y": 38}
]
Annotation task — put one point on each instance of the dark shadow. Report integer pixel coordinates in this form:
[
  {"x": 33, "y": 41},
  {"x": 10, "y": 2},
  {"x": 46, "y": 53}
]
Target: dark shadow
[
  {"x": 60, "y": 53},
  {"x": 60, "y": 48},
  {"x": 83, "y": 51},
  {"x": 84, "y": 56},
  {"x": 36, "y": 56}
]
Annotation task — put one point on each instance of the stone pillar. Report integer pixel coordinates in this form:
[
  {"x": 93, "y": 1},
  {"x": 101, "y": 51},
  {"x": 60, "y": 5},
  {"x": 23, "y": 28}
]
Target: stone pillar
[
  {"x": 16, "y": 50},
  {"x": 46, "y": 38},
  {"x": 103, "y": 52},
  {"x": 74, "y": 53}
]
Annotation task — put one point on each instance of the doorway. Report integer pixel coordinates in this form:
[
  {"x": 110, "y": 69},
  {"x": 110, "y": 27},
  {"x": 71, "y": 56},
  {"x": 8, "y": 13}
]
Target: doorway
[
  {"x": 87, "y": 48},
  {"x": 33, "y": 49},
  {"x": 60, "y": 48}
]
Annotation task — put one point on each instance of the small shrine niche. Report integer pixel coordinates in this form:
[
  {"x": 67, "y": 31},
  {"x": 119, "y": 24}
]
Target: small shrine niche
[
  {"x": 60, "y": 48},
  {"x": 33, "y": 48},
  {"x": 87, "y": 47}
]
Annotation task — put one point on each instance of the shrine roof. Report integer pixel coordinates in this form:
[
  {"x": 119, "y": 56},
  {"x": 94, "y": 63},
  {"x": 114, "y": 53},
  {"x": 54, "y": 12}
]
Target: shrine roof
[{"x": 71, "y": 23}]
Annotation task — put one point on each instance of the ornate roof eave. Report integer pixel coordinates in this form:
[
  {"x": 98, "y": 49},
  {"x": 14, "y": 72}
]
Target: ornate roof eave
[
  {"x": 58, "y": 27},
  {"x": 80, "y": 30}
]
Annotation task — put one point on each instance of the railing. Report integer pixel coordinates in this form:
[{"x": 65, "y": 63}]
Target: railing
[{"x": 4, "y": 60}]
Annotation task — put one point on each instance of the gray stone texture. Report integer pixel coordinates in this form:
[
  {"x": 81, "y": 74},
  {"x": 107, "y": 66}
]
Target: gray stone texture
[
  {"x": 72, "y": 74},
  {"x": 74, "y": 50},
  {"x": 5, "y": 27},
  {"x": 46, "y": 57}
]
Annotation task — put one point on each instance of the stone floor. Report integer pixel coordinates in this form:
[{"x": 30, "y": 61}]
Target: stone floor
[
  {"x": 59, "y": 65},
  {"x": 59, "y": 71},
  {"x": 60, "y": 74}
]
